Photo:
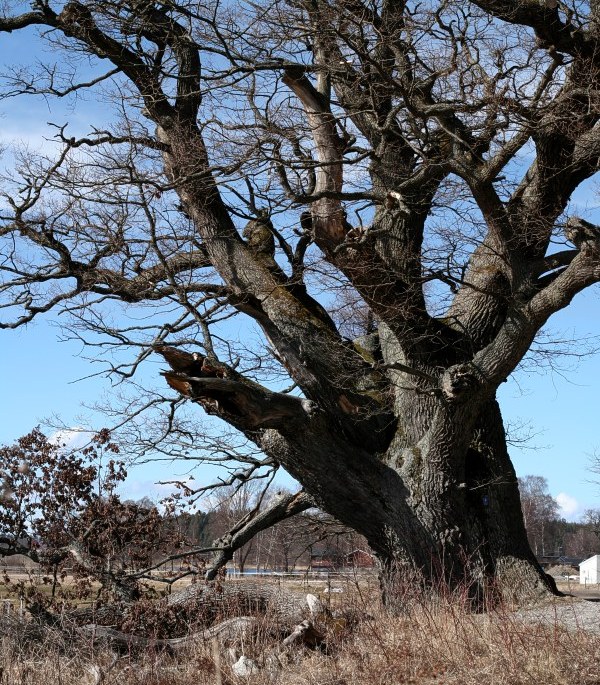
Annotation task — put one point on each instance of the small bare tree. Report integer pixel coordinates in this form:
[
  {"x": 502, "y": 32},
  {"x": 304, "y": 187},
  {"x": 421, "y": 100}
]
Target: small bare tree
[
  {"x": 540, "y": 509},
  {"x": 232, "y": 506}
]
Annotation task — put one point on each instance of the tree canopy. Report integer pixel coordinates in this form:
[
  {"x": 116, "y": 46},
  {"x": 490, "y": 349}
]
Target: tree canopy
[{"x": 381, "y": 188}]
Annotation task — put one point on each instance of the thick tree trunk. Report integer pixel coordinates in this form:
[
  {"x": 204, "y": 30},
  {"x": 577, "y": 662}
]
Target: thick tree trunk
[
  {"x": 470, "y": 534},
  {"x": 440, "y": 504}
]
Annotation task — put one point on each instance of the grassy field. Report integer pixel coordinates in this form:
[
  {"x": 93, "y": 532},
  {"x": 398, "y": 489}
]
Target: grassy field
[{"x": 433, "y": 642}]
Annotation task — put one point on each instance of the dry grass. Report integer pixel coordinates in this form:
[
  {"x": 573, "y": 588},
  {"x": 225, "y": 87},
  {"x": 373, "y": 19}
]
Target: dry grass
[
  {"x": 435, "y": 642},
  {"x": 572, "y": 587}
]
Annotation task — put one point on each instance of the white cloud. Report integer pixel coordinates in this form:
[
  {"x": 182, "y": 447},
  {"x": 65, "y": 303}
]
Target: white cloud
[
  {"x": 18, "y": 137},
  {"x": 70, "y": 438},
  {"x": 569, "y": 506}
]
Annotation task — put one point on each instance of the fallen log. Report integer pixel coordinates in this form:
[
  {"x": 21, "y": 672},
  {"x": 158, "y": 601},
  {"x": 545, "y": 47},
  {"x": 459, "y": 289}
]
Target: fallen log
[
  {"x": 249, "y": 597},
  {"x": 227, "y": 631},
  {"x": 206, "y": 602},
  {"x": 285, "y": 611}
]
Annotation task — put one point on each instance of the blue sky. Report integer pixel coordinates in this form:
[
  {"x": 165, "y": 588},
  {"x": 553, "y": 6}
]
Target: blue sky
[
  {"x": 40, "y": 375},
  {"x": 43, "y": 377},
  {"x": 563, "y": 410},
  {"x": 40, "y": 379}
]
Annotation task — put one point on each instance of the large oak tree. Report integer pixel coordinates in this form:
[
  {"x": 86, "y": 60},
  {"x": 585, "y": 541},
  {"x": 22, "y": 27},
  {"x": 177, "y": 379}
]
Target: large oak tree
[{"x": 419, "y": 156}]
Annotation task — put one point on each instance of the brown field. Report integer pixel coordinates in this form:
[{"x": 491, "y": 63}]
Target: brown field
[
  {"x": 434, "y": 642},
  {"x": 574, "y": 588}
]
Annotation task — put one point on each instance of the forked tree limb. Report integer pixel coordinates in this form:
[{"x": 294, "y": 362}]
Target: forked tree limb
[{"x": 545, "y": 20}]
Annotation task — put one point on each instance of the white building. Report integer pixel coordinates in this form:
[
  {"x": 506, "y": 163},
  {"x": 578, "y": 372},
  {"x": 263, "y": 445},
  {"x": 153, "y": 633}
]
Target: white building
[{"x": 589, "y": 571}]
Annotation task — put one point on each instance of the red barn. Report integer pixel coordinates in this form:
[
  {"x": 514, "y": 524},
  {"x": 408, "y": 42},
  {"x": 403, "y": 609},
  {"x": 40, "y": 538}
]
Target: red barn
[{"x": 359, "y": 559}]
